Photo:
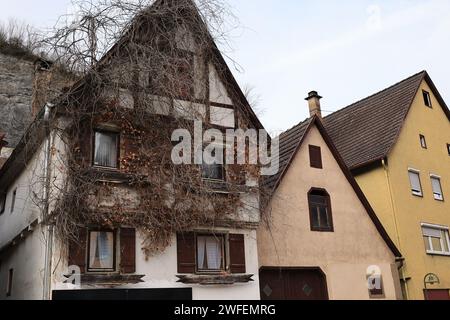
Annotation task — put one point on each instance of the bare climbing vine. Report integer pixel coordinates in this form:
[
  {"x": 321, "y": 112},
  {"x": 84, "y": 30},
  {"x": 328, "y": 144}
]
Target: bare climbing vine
[{"x": 143, "y": 69}]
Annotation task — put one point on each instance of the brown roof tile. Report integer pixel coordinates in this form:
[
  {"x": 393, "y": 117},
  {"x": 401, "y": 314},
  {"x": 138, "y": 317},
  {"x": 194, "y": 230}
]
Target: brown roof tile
[{"x": 366, "y": 130}]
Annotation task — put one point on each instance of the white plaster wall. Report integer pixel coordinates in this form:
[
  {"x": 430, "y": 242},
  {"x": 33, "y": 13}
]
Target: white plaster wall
[
  {"x": 160, "y": 272},
  {"x": 25, "y": 210},
  {"x": 217, "y": 91},
  {"x": 343, "y": 255},
  {"x": 27, "y": 260}
]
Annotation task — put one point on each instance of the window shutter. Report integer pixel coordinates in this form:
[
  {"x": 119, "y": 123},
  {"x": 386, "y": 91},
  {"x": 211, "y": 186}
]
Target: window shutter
[
  {"x": 186, "y": 252},
  {"x": 437, "y": 190},
  {"x": 77, "y": 251},
  {"x": 237, "y": 253},
  {"x": 127, "y": 250},
  {"x": 315, "y": 156}
]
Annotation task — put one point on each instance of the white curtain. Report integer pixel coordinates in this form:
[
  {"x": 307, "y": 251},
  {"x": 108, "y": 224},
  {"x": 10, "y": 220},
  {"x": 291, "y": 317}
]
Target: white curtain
[
  {"x": 105, "y": 149},
  {"x": 201, "y": 248},
  {"x": 101, "y": 250},
  {"x": 209, "y": 251}
]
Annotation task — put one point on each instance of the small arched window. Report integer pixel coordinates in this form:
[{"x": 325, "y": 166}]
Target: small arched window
[{"x": 320, "y": 210}]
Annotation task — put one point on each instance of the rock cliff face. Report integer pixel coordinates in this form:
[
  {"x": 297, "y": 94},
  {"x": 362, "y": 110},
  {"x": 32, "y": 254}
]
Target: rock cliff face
[{"x": 16, "y": 91}]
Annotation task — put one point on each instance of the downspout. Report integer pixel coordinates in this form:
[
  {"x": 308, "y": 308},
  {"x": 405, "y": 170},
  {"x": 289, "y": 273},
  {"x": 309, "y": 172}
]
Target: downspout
[
  {"x": 391, "y": 198},
  {"x": 46, "y": 199}
]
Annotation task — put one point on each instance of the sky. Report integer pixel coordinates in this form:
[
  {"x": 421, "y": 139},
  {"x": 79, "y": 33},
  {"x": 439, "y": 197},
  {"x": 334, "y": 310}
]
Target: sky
[{"x": 345, "y": 50}]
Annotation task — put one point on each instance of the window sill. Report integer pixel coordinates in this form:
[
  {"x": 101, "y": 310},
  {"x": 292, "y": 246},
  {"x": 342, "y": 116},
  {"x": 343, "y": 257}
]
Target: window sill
[
  {"x": 443, "y": 254},
  {"x": 215, "y": 279},
  {"x": 110, "y": 279}
]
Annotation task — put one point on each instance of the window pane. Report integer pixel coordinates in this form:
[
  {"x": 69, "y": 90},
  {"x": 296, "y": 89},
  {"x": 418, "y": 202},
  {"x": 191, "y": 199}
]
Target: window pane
[
  {"x": 106, "y": 149},
  {"x": 444, "y": 239},
  {"x": 212, "y": 171},
  {"x": 437, "y": 190},
  {"x": 209, "y": 253},
  {"x": 414, "y": 178},
  {"x": 427, "y": 243},
  {"x": 101, "y": 250},
  {"x": 315, "y": 216},
  {"x": 436, "y": 243},
  {"x": 323, "y": 214},
  {"x": 318, "y": 199}
]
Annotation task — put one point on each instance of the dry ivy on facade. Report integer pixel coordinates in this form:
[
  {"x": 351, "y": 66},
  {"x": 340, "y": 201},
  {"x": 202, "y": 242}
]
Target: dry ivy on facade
[{"x": 153, "y": 80}]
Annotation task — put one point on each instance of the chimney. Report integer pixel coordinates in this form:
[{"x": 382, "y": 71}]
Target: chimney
[{"x": 314, "y": 104}]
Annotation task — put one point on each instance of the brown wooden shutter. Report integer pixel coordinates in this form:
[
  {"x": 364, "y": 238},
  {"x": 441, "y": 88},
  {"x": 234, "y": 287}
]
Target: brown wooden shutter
[
  {"x": 77, "y": 251},
  {"x": 186, "y": 252},
  {"x": 127, "y": 250},
  {"x": 315, "y": 156},
  {"x": 237, "y": 253}
]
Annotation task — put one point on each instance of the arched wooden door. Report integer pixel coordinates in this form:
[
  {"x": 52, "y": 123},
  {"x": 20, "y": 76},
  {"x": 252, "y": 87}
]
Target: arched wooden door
[{"x": 293, "y": 284}]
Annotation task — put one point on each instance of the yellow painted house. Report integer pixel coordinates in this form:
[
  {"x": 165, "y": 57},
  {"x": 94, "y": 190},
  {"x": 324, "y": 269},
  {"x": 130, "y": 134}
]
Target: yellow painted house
[{"x": 397, "y": 144}]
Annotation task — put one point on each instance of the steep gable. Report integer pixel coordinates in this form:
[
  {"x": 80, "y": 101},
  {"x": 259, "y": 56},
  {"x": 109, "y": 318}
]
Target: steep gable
[{"x": 290, "y": 144}]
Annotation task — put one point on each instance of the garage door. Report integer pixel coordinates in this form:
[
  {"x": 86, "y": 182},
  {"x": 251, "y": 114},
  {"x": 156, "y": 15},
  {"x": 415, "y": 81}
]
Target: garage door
[
  {"x": 293, "y": 284},
  {"x": 437, "y": 294}
]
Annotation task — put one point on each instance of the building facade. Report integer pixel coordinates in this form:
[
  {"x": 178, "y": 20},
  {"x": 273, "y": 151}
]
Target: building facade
[
  {"x": 108, "y": 256},
  {"x": 322, "y": 240},
  {"x": 397, "y": 144}
]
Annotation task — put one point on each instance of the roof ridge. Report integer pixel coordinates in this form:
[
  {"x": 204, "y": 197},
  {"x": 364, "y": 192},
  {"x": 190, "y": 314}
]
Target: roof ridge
[
  {"x": 423, "y": 72},
  {"x": 295, "y": 126}
]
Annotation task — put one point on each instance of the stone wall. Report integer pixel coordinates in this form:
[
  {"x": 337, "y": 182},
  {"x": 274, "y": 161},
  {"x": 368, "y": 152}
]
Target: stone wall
[{"x": 16, "y": 83}]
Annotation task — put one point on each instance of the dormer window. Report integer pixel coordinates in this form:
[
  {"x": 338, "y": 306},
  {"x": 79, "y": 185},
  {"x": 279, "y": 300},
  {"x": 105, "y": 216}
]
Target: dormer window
[
  {"x": 106, "y": 149},
  {"x": 427, "y": 98}
]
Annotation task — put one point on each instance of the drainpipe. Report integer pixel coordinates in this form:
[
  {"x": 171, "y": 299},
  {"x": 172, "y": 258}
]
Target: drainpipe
[
  {"x": 46, "y": 198},
  {"x": 398, "y": 259}
]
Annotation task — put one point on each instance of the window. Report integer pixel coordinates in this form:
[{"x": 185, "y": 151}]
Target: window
[
  {"x": 427, "y": 98},
  {"x": 213, "y": 171},
  {"x": 436, "y": 239},
  {"x": 315, "y": 157},
  {"x": 9, "y": 286},
  {"x": 448, "y": 148},
  {"x": 205, "y": 253},
  {"x": 2, "y": 202},
  {"x": 414, "y": 179},
  {"x": 423, "y": 142},
  {"x": 210, "y": 253},
  {"x": 13, "y": 200},
  {"x": 102, "y": 248},
  {"x": 320, "y": 210},
  {"x": 106, "y": 147},
  {"x": 437, "y": 188}
]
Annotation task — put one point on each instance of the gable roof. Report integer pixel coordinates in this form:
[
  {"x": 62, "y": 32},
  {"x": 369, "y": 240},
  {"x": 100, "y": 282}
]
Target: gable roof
[
  {"x": 24, "y": 150},
  {"x": 367, "y": 130},
  {"x": 290, "y": 143}
]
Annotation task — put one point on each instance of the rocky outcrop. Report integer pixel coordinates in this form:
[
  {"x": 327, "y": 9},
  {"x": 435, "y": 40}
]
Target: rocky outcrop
[{"x": 16, "y": 91}]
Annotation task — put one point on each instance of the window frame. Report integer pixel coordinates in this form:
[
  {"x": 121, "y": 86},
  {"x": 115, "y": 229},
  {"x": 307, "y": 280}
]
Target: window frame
[
  {"x": 438, "y": 178},
  {"x": 427, "y": 99},
  {"x": 313, "y": 164},
  {"x": 225, "y": 253},
  {"x": 223, "y": 166},
  {"x": 115, "y": 268},
  {"x": 329, "y": 211},
  {"x": 440, "y": 228},
  {"x": 414, "y": 193},
  {"x": 423, "y": 141},
  {"x": 118, "y": 136}
]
